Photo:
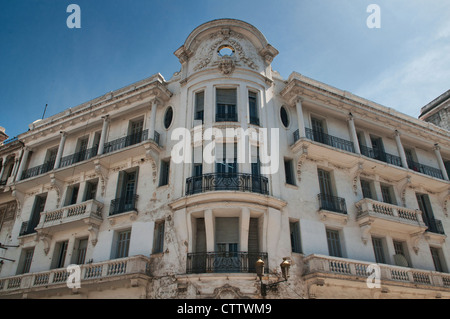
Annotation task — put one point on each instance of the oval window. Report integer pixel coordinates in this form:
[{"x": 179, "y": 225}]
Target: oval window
[
  {"x": 225, "y": 50},
  {"x": 284, "y": 116},
  {"x": 168, "y": 117}
]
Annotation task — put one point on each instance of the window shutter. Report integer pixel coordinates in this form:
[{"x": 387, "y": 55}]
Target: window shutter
[{"x": 226, "y": 96}]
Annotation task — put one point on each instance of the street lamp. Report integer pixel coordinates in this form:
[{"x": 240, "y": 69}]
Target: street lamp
[{"x": 259, "y": 266}]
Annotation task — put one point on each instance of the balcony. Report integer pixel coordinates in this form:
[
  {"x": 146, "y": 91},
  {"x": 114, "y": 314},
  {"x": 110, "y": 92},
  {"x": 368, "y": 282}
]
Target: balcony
[
  {"x": 79, "y": 157},
  {"x": 435, "y": 226},
  {"x": 227, "y": 181},
  {"x": 388, "y": 216},
  {"x": 38, "y": 170},
  {"x": 332, "y": 203},
  {"x": 326, "y": 139},
  {"x": 424, "y": 169},
  {"x": 123, "y": 204},
  {"x": 226, "y": 117},
  {"x": 90, "y": 274},
  {"x": 319, "y": 266},
  {"x": 381, "y": 156},
  {"x": 126, "y": 141},
  {"x": 88, "y": 212},
  {"x": 224, "y": 262}
]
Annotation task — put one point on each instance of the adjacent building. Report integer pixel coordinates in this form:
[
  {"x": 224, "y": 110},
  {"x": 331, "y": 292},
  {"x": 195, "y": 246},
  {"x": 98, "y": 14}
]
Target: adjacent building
[{"x": 124, "y": 186}]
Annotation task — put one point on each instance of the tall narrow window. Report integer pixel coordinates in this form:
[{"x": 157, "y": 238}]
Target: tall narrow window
[
  {"x": 253, "y": 108},
  {"x": 135, "y": 132},
  {"x": 366, "y": 189},
  {"x": 50, "y": 159},
  {"x": 199, "y": 106},
  {"x": 427, "y": 213},
  {"x": 59, "y": 256},
  {"x": 38, "y": 208},
  {"x": 123, "y": 244},
  {"x": 25, "y": 261},
  {"x": 318, "y": 130},
  {"x": 81, "y": 151},
  {"x": 72, "y": 194},
  {"x": 126, "y": 192},
  {"x": 378, "y": 250},
  {"x": 289, "y": 172},
  {"x": 158, "y": 239},
  {"x": 387, "y": 193},
  {"x": 165, "y": 169},
  {"x": 81, "y": 249},
  {"x": 334, "y": 243},
  {"x": 226, "y": 105},
  {"x": 91, "y": 190},
  {"x": 226, "y": 158},
  {"x": 437, "y": 259},
  {"x": 378, "y": 148},
  {"x": 400, "y": 256},
  {"x": 294, "y": 228}
]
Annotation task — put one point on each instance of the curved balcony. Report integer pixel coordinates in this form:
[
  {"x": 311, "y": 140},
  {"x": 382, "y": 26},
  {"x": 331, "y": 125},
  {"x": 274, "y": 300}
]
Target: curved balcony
[
  {"x": 227, "y": 181},
  {"x": 224, "y": 262}
]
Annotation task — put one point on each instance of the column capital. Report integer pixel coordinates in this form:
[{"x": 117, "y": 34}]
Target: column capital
[
  {"x": 436, "y": 147},
  {"x": 105, "y": 118},
  {"x": 63, "y": 133},
  {"x": 299, "y": 100}
]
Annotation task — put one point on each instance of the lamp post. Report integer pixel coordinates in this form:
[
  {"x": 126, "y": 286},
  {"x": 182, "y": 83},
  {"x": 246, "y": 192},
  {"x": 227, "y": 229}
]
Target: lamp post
[{"x": 259, "y": 266}]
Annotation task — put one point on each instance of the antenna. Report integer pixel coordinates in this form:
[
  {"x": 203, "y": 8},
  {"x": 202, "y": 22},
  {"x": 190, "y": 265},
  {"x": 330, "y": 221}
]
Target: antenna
[{"x": 44, "y": 111}]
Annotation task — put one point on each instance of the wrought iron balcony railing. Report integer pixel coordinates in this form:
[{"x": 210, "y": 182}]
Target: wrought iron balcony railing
[
  {"x": 254, "y": 120},
  {"x": 123, "y": 204},
  {"x": 224, "y": 262},
  {"x": 434, "y": 226},
  {"x": 332, "y": 203},
  {"x": 78, "y": 156},
  {"x": 38, "y": 170},
  {"x": 226, "y": 117},
  {"x": 330, "y": 140},
  {"x": 27, "y": 228},
  {"x": 424, "y": 169},
  {"x": 227, "y": 181},
  {"x": 125, "y": 141},
  {"x": 381, "y": 156}
]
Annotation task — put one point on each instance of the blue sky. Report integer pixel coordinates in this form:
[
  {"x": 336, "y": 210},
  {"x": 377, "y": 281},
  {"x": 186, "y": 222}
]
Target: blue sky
[{"x": 403, "y": 65}]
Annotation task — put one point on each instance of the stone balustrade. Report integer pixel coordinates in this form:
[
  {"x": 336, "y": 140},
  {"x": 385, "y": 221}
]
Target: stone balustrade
[
  {"x": 101, "y": 270},
  {"x": 370, "y": 206},
  {"x": 90, "y": 208},
  {"x": 327, "y": 265}
]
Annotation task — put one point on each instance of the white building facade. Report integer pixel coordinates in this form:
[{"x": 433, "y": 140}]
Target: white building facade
[{"x": 124, "y": 186}]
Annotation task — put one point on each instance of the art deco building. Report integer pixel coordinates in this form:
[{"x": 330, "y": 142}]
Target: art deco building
[{"x": 348, "y": 184}]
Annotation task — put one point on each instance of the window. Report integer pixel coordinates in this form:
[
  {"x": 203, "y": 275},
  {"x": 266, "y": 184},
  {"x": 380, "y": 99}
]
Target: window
[
  {"x": 226, "y": 158},
  {"x": 289, "y": 172},
  {"x": 427, "y": 212},
  {"x": 387, "y": 193},
  {"x": 72, "y": 194},
  {"x": 199, "y": 106},
  {"x": 378, "y": 148},
  {"x": 81, "y": 151},
  {"x": 168, "y": 117},
  {"x": 59, "y": 255},
  {"x": 318, "y": 130},
  {"x": 25, "y": 261},
  {"x": 165, "y": 168},
  {"x": 158, "y": 238},
  {"x": 366, "y": 188},
  {"x": 284, "y": 117},
  {"x": 135, "y": 132},
  {"x": 91, "y": 190},
  {"x": 400, "y": 256},
  {"x": 126, "y": 192},
  {"x": 378, "y": 250},
  {"x": 294, "y": 228},
  {"x": 253, "y": 108},
  {"x": 123, "y": 243},
  {"x": 38, "y": 208},
  {"x": 226, "y": 105},
  {"x": 50, "y": 159},
  {"x": 80, "y": 251},
  {"x": 436, "y": 254},
  {"x": 334, "y": 243}
]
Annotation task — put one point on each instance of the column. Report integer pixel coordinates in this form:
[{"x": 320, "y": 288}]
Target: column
[
  {"x": 440, "y": 161},
  {"x": 353, "y": 136},
  {"x": 300, "y": 120},
  {"x": 3, "y": 167},
  {"x": 151, "y": 128},
  {"x": 244, "y": 228},
  {"x": 209, "y": 229},
  {"x": 22, "y": 163},
  {"x": 400, "y": 149},
  {"x": 60, "y": 150},
  {"x": 101, "y": 143}
]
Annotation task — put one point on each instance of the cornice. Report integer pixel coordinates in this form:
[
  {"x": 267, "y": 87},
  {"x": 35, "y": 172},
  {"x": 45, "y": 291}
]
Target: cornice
[
  {"x": 313, "y": 91},
  {"x": 154, "y": 86}
]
